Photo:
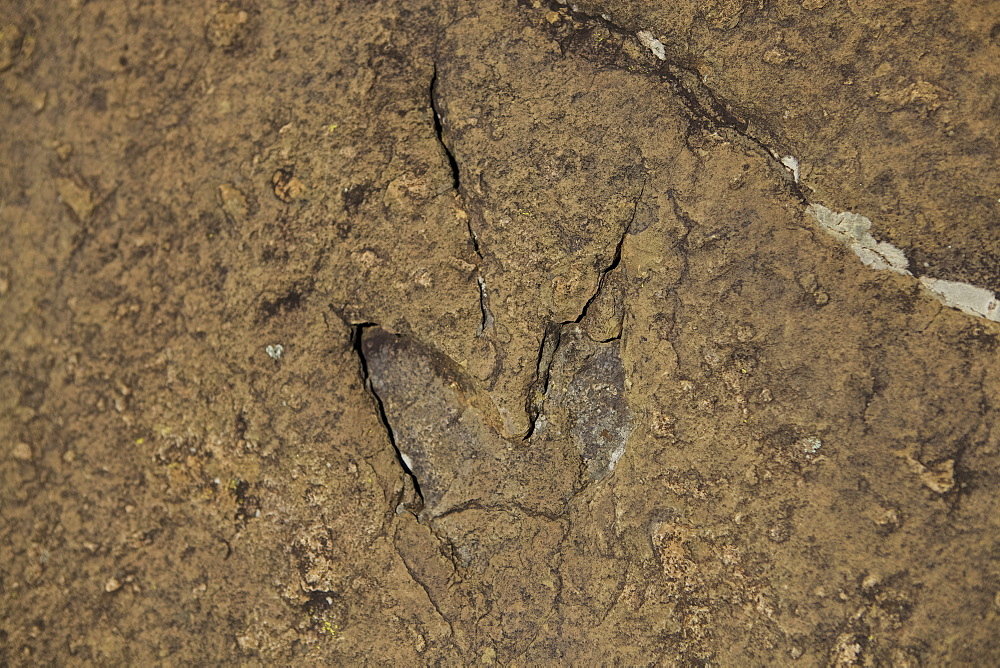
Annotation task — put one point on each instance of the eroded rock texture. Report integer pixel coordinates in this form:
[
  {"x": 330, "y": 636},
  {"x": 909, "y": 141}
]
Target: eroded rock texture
[{"x": 420, "y": 333}]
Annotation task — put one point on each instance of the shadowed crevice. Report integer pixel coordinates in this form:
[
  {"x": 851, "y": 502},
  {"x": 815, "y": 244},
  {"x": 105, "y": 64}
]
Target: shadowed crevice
[
  {"x": 456, "y": 179},
  {"x": 357, "y": 335},
  {"x": 615, "y": 260},
  {"x": 707, "y": 110},
  {"x": 539, "y": 387}
]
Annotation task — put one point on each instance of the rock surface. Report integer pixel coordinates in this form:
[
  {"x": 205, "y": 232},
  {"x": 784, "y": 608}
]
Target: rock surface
[{"x": 504, "y": 332}]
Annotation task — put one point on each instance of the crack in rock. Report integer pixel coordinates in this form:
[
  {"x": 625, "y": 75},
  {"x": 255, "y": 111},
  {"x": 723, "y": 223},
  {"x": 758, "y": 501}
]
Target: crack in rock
[
  {"x": 540, "y": 385},
  {"x": 486, "y": 323},
  {"x": 456, "y": 177},
  {"x": 439, "y": 133},
  {"x": 615, "y": 260},
  {"x": 538, "y": 390},
  {"x": 852, "y": 230},
  {"x": 358, "y": 332},
  {"x": 701, "y": 102}
]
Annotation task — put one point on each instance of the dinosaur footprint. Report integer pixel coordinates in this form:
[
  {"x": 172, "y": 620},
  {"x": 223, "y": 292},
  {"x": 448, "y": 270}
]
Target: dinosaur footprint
[{"x": 447, "y": 429}]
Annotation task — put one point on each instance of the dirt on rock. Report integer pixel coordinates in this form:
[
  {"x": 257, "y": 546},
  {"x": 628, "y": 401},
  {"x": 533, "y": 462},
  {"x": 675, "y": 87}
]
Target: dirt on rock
[{"x": 506, "y": 333}]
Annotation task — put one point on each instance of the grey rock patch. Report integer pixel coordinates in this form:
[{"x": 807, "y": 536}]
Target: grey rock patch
[
  {"x": 440, "y": 421},
  {"x": 446, "y": 431},
  {"x": 587, "y": 397}
]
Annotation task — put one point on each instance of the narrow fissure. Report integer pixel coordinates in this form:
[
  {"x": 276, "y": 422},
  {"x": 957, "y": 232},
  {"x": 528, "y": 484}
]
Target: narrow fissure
[
  {"x": 615, "y": 260},
  {"x": 472, "y": 236},
  {"x": 456, "y": 180},
  {"x": 704, "y": 107},
  {"x": 456, "y": 184},
  {"x": 553, "y": 334},
  {"x": 540, "y": 386},
  {"x": 357, "y": 334},
  {"x": 484, "y": 306}
]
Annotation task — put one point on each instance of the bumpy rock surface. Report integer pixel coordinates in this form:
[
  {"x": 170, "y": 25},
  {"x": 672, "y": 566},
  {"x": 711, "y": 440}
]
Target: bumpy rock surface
[{"x": 499, "y": 332}]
